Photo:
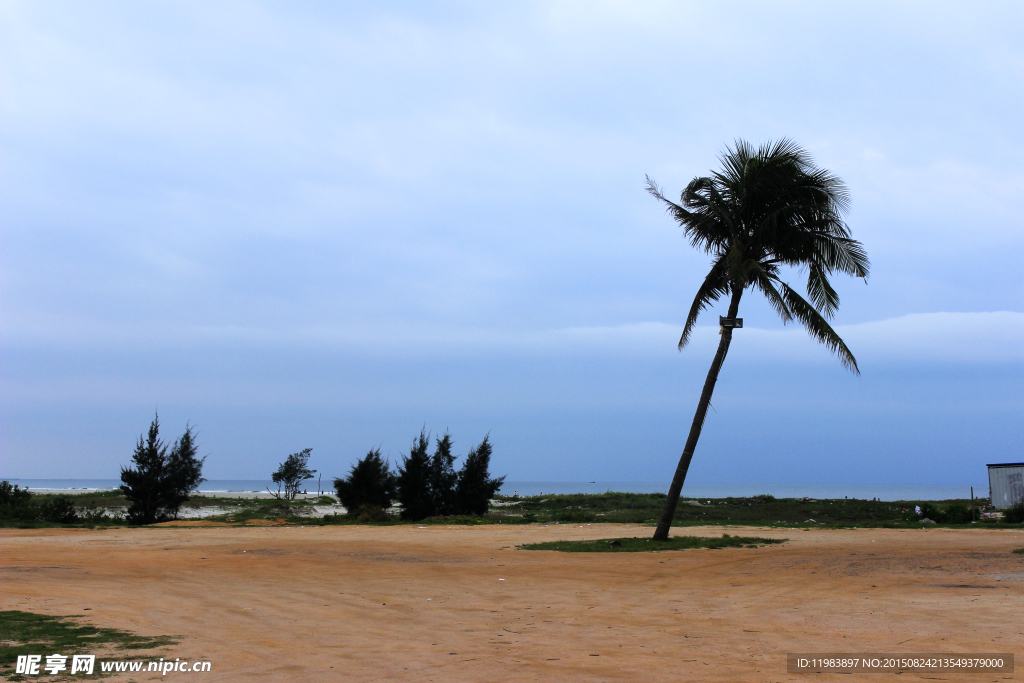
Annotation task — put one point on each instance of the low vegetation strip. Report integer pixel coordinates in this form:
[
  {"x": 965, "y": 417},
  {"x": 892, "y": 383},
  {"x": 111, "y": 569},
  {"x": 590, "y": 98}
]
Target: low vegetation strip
[
  {"x": 107, "y": 508},
  {"x": 763, "y": 510},
  {"x": 647, "y": 545},
  {"x": 26, "y": 633}
]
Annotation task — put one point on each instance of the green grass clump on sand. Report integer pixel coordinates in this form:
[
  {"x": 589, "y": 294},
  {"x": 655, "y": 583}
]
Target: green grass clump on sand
[
  {"x": 646, "y": 545},
  {"x": 1019, "y": 551},
  {"x": 25, "y": 633}
]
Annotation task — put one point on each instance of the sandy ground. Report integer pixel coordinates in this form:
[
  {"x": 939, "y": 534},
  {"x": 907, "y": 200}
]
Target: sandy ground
[{"x": 462, "y": 604}]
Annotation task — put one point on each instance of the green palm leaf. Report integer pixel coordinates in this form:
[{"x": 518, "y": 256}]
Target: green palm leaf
[
  {"x": 715, "y": 285},
  {"x": 818, "y": 327}
]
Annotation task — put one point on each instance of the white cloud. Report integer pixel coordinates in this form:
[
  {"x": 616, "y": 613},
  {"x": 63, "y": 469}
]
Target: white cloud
[
  {"x": 958, "y": 338},
  {"x": 983, "y": 337}
]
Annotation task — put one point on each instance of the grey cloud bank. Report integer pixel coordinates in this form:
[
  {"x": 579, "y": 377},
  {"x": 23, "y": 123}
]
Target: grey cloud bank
[{"x": 300, "y": 226}]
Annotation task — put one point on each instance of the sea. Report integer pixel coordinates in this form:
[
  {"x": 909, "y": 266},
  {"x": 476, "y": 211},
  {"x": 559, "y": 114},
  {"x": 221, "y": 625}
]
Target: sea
[{"x": 536, "y": 488}]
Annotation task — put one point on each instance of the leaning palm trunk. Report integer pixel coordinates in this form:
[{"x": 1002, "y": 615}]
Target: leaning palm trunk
[{"x": 669, "y": 511}]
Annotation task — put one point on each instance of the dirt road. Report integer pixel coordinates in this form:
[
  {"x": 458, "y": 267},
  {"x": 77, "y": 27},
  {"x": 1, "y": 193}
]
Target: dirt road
[{"x": 463, "y": 604}]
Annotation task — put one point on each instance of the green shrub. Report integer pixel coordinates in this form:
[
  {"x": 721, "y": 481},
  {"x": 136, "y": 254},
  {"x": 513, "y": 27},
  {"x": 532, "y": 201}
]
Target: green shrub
[
  {"x": 957, "y": 514},
  {"x": 60, "y": 510},
  {"x": 95, "y": 515},
  {"x": 574, "y": 516},
  {"x": 1015, "y": 513},
  {"x": 372, "y": 513},
  {"x": 13, "y": 495},
  {"x": 369, "y": 483},
  {"x": 929, "y": 511},
  {"x": 16, "y": 502}
]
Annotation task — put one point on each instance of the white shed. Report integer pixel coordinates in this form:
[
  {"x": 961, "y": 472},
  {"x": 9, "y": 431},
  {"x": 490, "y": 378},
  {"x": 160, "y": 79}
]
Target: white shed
[{"x": 1006, "y": 484}]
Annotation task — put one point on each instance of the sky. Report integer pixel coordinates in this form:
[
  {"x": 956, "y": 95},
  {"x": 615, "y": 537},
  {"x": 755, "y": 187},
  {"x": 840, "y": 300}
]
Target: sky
[{"x": 301, "y": 225}]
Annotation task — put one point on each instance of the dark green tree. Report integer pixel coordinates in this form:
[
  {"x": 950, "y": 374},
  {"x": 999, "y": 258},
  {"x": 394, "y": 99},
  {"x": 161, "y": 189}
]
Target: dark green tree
[
  {"x": 443, "y": 477},
  {"x": 16, "y": 502},
  {"x": 184, "y": 472},
  {"x": 13, "y": 495},
  {"x": 144, "y": 484},
  {"x": 475, "y": 487},
  {"x": 766, "y": 209},
  {"x": 370, "y": 482},
  {"x": 292, "y": 472},
  {"x": 414, "y": 477},
  {"x": 160, "y": 482}
]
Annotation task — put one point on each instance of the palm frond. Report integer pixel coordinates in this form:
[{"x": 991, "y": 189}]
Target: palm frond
[
  {"x": 763, "y": 208},
  {"x": 681, "y": 214},
  {"x": 715, "y": 285},
  {"x": 702, "y": 212},
  {"x": 823, "y": 296},
  {"x": 652, "y": 188},
  {"x": 839, "y": 253},
  {"x": 765, "y": 281},
  {"x": 711, "y": 221},
  {"x": 818, "y": 327}
]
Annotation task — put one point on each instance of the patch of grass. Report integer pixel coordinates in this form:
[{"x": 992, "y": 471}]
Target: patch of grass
[
  {"x": 245, "y": 509},
  {"x": 103, "y": 499},
  {"x": 1019, "y": 551},
  {"x": 646, "y": 545},
  {"x": 395, "y": 520},
  {"x": 25, "y": 633}
]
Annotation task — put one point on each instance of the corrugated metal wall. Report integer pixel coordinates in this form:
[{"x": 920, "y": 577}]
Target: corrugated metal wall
[{"x": 1006, "y": 484}]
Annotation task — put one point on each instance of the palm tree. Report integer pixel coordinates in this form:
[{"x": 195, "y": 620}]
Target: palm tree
[{"x": 765, "y": 209}]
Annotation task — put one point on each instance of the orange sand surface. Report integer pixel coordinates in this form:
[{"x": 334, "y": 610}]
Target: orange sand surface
[{"x": 283, "y": 603}]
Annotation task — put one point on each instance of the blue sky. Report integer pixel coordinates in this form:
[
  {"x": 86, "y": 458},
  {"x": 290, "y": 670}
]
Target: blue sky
[{"x": 302, "y": 226}]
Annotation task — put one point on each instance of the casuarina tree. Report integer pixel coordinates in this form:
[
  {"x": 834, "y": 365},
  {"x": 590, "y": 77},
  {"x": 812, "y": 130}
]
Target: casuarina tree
[
  {"x": 414, "y": 480},
  {"x": 157, "y": 483},
  {"x": 475, "y": 487},
  {"x": 369, "y": 482},
  {"x": 766, "y": 209},
  {"x": 292, "y": 472},
  {"x": 184, "y": 471},
  {"x": 143, "y": 483},
  {"x": 443, "y": 477}
]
